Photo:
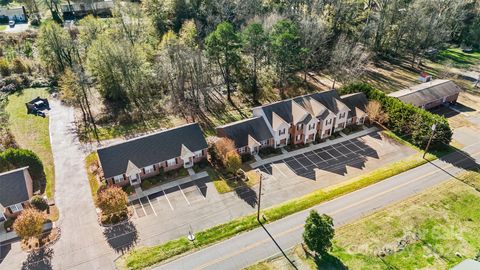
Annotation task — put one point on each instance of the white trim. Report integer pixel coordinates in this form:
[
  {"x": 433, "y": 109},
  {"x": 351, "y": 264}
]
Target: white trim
[
  {"x": 15, "y": 208},
  {"x": 198, "y": 153},
  {"x": 171, "y": 162},
  {"x": 149, "y": 169},
  {"x": 118, "y": 178}
]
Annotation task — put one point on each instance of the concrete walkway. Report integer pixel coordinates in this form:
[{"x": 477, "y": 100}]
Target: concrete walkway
[
  {"x": 313, "y": 147},
  {"x": 9, "y": 236}
]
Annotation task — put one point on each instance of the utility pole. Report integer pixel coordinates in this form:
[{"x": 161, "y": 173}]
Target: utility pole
[
  {"x": 259, "y": 195},
  {"x": 434, "y": 127}
]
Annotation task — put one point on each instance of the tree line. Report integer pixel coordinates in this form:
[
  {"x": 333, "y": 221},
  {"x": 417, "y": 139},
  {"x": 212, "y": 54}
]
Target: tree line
[
  {"x": 411, "y": 123},
  {"x": 183, "y": 51}
]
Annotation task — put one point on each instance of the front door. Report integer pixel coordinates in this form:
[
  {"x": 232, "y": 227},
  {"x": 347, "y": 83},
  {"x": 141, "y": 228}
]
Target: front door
[
  {"x": 188, "y": 163},
  {"x": 134, "y": 179}
]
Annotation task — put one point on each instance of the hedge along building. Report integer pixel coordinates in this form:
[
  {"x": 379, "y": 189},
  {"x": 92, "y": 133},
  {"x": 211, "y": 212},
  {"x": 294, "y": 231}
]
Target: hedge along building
[
  {"x": 131, "y": 161},
  {"x": 430, "y": 94}
]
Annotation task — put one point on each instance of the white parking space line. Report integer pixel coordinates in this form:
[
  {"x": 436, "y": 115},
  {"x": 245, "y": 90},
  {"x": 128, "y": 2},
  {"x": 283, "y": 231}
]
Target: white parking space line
[
  {"x": 199, "y": 191},
  {"x": 294, "y": 158},
  {"x": 350, "y": 146},
  {"x": 181, "y": 190},
  {"x": 151, "y": 205},
  {"x": 288, "y": 166},
  {"x": 166, "y": 197},
  {"x": 141, "y": 204},
  {"x": 339, "y": 152},
  {"x": 313, "y": 163},
  {"x": 135, "y": 211},
  {"x": 318, "y": 156},
  {"x": 326, "y": 152},
  {"x": 272, "y": 165}
]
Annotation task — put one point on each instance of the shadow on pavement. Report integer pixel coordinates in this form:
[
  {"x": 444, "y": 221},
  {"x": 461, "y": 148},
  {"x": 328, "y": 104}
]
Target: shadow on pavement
[
  {"x": 247, "y": 194},
  {"x": 460, "y": 159},
  {"x": 39, "y": 260},
  {"x": 4, "y": 250},
  {"x": 278, "y": 246},
  {"x": 121, "y": 237}
]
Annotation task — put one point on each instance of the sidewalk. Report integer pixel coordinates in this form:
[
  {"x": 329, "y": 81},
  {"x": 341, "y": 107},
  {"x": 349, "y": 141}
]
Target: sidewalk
[
  {"x": 168, "y": 185},
  {"x": 8, "y": 236},
  {"x": 313, "y": 147}
]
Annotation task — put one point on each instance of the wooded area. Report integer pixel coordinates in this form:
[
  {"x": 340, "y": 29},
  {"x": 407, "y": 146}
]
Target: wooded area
[{"x": 187, "y": 58}]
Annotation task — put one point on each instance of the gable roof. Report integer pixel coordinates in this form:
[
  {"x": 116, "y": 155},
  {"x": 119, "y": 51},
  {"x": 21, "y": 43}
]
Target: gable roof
[
  {"x": 240, "y": 131},
  {"x": 356, "y": 102},
  {"x": 13, "y": 187},
  {"x": 318, "y": 104},
  {"x": 329, "y": 99},
  {"x": 150, "y": 149},
  {"x": 298, "y": 113},
  {"x": 277, "y": 121},
  {"x": 424, "y": 93}
]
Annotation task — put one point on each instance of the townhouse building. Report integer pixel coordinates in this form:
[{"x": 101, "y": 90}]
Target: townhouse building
[{"x": 298, "y": 120}]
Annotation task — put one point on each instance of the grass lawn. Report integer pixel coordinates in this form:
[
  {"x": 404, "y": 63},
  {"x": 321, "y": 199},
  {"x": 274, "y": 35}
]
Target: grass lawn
[
  {"x": 457, "y": 58},
  {"x": 148, "y": 256},
  {"x": 445, "y": 220},
  {"x": 31, "y": 132},
  {"x": 223, "y": 185},
  {"x": 91, "y": 162},
  {"x": 3, "y": 27}
]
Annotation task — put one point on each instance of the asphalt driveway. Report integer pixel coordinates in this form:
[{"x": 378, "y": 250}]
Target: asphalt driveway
[{"x": 82, "y": 244}]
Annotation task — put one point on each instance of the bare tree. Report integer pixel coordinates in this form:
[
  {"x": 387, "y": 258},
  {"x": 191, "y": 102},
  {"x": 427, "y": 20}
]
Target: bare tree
[
  {"x": 375, "y": 112},
  {"x": 348, "y": 60}
]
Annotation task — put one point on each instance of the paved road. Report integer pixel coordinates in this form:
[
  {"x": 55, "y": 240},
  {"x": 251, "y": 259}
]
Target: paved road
[{"x": 256, "y": 245}]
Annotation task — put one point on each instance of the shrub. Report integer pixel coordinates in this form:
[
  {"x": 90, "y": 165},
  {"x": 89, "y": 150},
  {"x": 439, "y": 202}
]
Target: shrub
[
  {"x": 18, "y": 66},
  {"x": 222, "y": 147},
  {"x": 39, "y": 203},
  {"x": 411, "y": 123},
  {"x": 233, "y": 162},
  {"x": 29, "y": 223},
  {"x": 269, "y": 150},
  {"x": 112, "y": 200},
  {"x": 246, "y": 157},
  {"x": 16, "y": 158},
  {"x": 128, "y": 189},
  {"x": 4, "y": 67}
]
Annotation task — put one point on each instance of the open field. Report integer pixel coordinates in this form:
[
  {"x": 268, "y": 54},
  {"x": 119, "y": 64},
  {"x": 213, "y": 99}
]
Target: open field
[
  {"x": 32, "y": 132},
  {"x": 440, "y": 228}
]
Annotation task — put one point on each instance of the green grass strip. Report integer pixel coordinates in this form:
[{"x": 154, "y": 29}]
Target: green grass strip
[{"x": 148, "y": 256}]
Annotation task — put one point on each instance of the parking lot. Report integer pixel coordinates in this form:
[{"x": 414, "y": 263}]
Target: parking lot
[
  {"x": 171, "y": 199},
  {"x": 331, "y": 159}
]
